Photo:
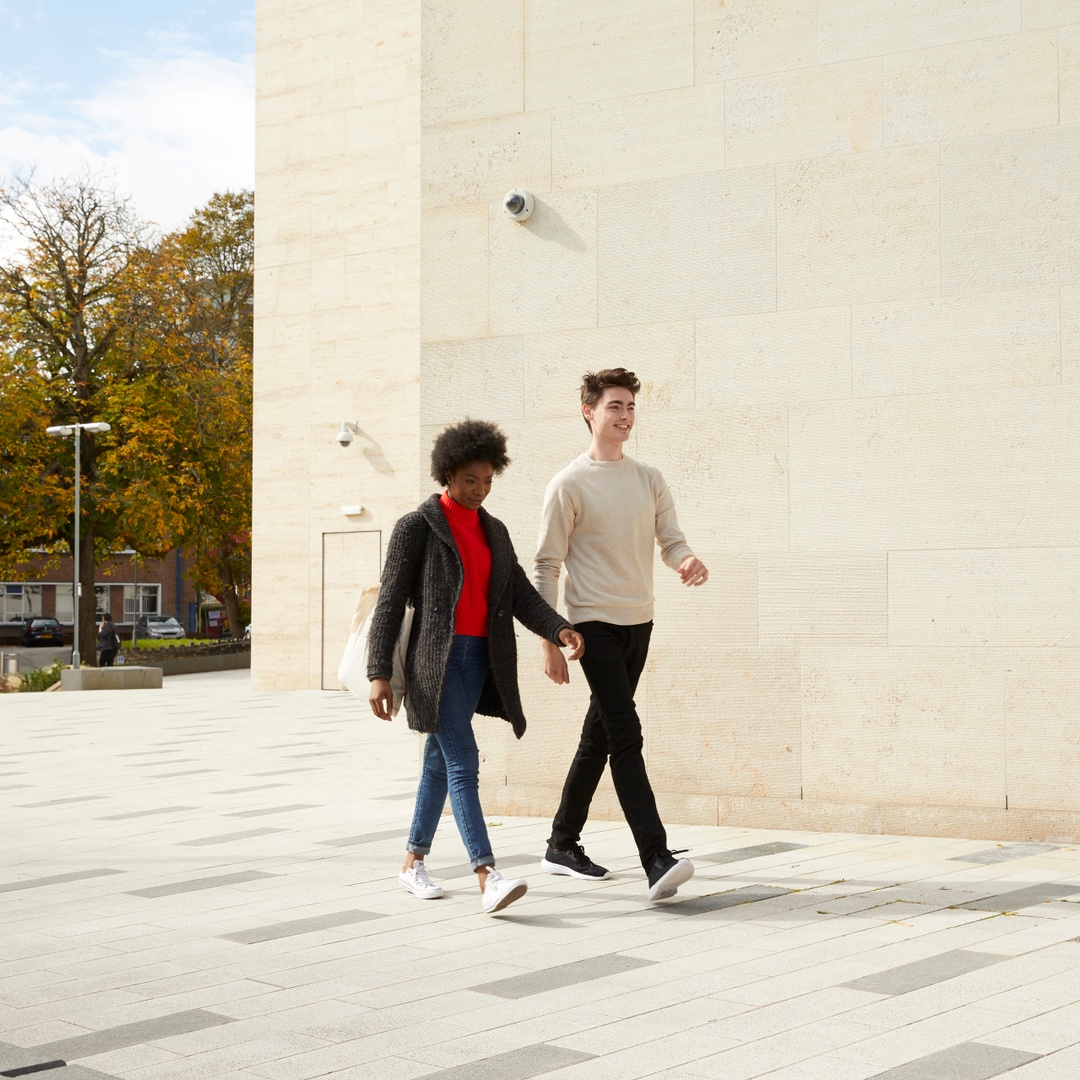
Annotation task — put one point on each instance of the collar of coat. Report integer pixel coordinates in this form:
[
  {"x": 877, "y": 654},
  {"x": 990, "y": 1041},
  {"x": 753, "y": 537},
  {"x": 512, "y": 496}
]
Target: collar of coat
[{"x": 502, "y": 556}]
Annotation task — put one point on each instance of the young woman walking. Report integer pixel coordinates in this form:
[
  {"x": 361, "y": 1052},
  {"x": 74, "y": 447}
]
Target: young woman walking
[{"x": 455, "y": 564}]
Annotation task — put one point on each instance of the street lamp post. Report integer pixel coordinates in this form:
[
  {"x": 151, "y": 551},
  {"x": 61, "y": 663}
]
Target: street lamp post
[{"x": 62, "y": 431}]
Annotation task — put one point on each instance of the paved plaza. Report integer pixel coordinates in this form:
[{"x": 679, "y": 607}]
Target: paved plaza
[{"x": 201, "y": 882}]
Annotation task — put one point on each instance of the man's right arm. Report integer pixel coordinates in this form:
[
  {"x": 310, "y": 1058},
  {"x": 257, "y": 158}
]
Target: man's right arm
[{"x": 556, "y": 525}]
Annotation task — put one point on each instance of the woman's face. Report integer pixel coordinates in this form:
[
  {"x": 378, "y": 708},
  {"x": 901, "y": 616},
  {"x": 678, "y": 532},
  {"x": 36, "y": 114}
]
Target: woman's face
[{"x": 470, "y": 484}]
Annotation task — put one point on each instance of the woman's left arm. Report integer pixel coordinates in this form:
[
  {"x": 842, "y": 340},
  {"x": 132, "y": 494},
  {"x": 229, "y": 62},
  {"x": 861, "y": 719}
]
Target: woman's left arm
[{"x": 534, "y": 612}]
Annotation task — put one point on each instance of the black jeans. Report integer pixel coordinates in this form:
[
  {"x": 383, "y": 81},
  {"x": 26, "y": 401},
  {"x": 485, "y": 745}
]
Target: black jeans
[
  {"x": 107, "y": 657},
  {"x": 613, "y": 662}
]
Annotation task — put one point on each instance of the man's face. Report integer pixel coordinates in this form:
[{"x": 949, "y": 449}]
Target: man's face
[{"x": 612, "y": 417}]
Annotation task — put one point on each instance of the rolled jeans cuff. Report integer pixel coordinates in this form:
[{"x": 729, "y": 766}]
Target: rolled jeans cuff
[
  {"x": 418, "y": 849},
  {"x": 483, "y": 860}
]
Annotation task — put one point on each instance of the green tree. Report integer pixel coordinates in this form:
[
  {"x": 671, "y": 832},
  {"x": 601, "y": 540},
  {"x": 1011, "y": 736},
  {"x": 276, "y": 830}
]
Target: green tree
[{"x": 63, "y": 302}]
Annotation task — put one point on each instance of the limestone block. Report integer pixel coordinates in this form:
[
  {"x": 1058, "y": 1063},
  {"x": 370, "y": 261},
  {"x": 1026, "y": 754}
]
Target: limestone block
[
  {"x": 472, "y": 60},
  {"x": 1039, "y": 13},
  {"x": 823, "y": 599},
  {"x": 806, "y": 113},
  {"x": 350, "y": 561},
  {"x": 542, "y": 272},
  {"x": 647, "y": 137},
  {"x": 733, "y": 712},
  {"x": 1069, "y": 92},
  {"x": 1024, "y": 597},
  {"x": 1042, "y": 718},
  {"x": 858, "y": 228},
  {"x": 1070, "y": 334},
  {"x": 660, "y": 354},
  {"x": 723, "y": 612},
  {"x": 693, "y": 247},
  {"x": 453, "y": 273},
  {"x": 1018, "y": 468},
  {"x": 728, "y": 473},
  {"x": 914, "y": 727},
  {"x": 849, "y": 30},
  {"x": 1010, "y": 211},
  {"x": 774, "y": 357},
  {"x": 753, "y": 37},
  {"x": 977, "y": 88},
  {"x": 588, "y": 52},
  {"x": 682, "y": 809},
  {"x": 872, "y": 475},
  {"x": 480, "y": 378},
  {"x": 974, "y": 342},
  {"x": 480, "y": 161}
]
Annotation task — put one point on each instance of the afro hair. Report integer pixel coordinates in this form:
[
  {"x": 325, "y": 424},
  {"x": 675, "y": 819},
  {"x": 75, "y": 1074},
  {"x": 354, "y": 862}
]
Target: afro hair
[{"x": 471, "y": 440}]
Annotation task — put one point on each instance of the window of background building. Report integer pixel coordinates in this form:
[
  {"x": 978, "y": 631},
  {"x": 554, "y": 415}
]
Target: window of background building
[
  {"x": 64, "y": 610},
  {"x": 19, "y": 602},
  {"x": 149, "y": 601}
]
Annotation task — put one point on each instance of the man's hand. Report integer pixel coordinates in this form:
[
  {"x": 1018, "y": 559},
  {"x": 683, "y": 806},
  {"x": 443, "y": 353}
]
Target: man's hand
[
  {"x": 555, "y": 663},
  {"x": 692, "y": 571},
  {"x": 381, "y": 698},
  {"x": 573, "y": 640}
]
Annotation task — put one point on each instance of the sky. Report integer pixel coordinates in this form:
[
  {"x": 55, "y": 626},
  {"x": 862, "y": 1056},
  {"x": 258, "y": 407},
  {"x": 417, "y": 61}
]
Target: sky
[{"x": 158, "y": 98}]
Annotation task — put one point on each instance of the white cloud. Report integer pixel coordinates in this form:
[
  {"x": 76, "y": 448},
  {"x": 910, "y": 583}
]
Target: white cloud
[{"x": 169, "y": 131}]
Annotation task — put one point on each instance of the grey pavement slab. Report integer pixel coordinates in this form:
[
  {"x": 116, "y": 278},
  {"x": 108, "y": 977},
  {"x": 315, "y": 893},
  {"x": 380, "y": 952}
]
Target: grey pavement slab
[
  {"x": 553, "y": 978},
  {"x": 920, "y": 973},
  {"x": 143, "y": 1031},
  {"x": 295, "y": 927},
  {"x": 1005, "y": 853},
  {"x": 219, "y": 881},
  {"x": 55, "y": 879},
  {"x": 744, "y": 854},
  {"x": 966, "y": 1061},
  {"x": 292, "y": 925},
  {"x": 1015, "y": 899},
  {"x": 515, "y": 1064}
]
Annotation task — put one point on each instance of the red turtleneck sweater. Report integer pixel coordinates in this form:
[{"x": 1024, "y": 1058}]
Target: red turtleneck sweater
[{"x": 471, "y": 616}]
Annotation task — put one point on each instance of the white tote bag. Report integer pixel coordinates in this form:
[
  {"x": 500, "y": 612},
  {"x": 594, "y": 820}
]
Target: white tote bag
[{"x": 352, "y": 671}]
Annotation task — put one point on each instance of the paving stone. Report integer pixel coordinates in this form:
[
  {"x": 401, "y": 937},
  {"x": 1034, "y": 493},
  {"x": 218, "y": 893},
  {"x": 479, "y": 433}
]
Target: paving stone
[
  {"x": 295, "y": 927},
  {"x": 1005, "y": 853},
  {"x": 914, "y": 976},
  {"x": 366, "y": 838},
  {"x": 55, "y": 879},
  {"x": 966, "y": 1061},
  {"x": 197, "y": 884},
  {"x": 147, "y": 813},
  {"x": 227, "y": 838},
  {"x": 1022, "y": 898},
  {"x": 552, "y": 978},
  {"x": 755, "y": 851},
  {"x": 515, "y": 1064},
  {"x": 262, "y": 812}
]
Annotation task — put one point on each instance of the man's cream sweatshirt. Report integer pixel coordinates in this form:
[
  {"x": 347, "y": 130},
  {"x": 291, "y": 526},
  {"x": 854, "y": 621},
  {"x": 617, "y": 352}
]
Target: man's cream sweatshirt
[{"x": 601, "y": 519}]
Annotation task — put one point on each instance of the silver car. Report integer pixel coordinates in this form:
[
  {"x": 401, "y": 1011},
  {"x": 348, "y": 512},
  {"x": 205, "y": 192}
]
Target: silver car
[{"x": 159, "y": 626}]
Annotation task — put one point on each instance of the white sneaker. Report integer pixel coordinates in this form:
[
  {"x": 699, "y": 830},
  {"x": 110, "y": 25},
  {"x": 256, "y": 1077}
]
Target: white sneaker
[
  {"x": 416, "y": 880},
  {"x": 499, "y": 892}
]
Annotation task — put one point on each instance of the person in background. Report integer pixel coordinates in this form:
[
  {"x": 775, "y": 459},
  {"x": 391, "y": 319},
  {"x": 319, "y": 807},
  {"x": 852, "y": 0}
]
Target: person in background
[
  {"x": 455, "y": 564},
  {"x": 108, "y": 641}
]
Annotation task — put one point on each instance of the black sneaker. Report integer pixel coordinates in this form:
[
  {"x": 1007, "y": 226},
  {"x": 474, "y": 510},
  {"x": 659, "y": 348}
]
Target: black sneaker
[
  {"x": 573, "y": 862},
  {"x": 666, "y": 875}
]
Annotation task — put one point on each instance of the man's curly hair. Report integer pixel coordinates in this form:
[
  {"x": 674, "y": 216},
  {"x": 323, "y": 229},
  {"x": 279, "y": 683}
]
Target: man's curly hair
[{"x": 471, "y": 440}]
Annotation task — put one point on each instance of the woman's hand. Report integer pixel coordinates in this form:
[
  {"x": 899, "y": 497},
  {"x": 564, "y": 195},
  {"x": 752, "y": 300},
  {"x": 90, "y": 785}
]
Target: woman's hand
[
  {"x": 381, "y": 698},
  {"x": 573, "y": 640}
]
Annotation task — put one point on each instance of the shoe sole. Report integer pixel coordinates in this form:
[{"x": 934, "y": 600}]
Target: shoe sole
[
  {"x": 566, "y": 871},
  {"x": 516, "y": 893},
  {"x": 421, "y": 895},
  {"x": 669, "y": 884}
]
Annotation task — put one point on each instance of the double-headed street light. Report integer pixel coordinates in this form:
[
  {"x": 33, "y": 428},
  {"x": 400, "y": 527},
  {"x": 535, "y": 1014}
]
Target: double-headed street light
[{"x": 62, "y": 431}]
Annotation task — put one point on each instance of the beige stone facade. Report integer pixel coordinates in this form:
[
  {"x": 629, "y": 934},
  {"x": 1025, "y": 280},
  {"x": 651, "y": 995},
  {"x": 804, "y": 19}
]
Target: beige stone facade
[{"x": 839, "y": 240}]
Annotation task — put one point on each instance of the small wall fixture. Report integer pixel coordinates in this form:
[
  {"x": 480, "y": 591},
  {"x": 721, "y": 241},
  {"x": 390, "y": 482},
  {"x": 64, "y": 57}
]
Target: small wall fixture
[
  {"x": 519, "y": 204},
  {"x": 348, "y": 430},
  {"x": 353, "y": 510}
]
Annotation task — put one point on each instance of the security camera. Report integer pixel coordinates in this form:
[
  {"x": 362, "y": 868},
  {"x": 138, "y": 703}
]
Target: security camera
[
  {"x": 518, "y": 204},
  {"x": 345, "y": 435}
]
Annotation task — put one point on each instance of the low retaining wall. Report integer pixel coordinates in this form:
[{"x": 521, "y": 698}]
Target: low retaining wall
[
  {"x": 125, "y": 677},
  {"x": 192, "y": 665}
]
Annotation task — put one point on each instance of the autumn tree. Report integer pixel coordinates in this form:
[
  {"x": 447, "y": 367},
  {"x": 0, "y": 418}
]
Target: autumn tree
[
  {"x": 63, "y": 302},
  {"x": 184, "y": 450}
]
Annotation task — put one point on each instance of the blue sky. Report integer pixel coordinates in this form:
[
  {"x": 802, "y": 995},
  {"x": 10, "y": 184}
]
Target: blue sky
[{"x": 159, "y": 97}]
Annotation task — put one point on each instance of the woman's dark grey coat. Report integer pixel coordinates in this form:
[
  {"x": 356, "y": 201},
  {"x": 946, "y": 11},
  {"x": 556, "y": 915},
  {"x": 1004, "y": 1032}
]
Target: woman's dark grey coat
[{"x": 423, "y": 566}]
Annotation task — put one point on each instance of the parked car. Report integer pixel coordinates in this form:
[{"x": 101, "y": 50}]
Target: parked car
[
  {"x": 41, "y": 631},
  {"x": 158, "y": 626}
]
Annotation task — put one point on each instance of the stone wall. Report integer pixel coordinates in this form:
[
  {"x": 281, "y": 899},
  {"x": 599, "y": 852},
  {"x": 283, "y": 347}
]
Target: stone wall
[{"x": 840, "y": 243}]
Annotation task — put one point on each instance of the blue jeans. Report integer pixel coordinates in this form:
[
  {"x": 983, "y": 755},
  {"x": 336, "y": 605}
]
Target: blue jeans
[{"x": 452, "y": 760}]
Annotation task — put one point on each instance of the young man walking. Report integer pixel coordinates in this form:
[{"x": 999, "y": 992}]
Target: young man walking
[{"x": 601, "y": 516}]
